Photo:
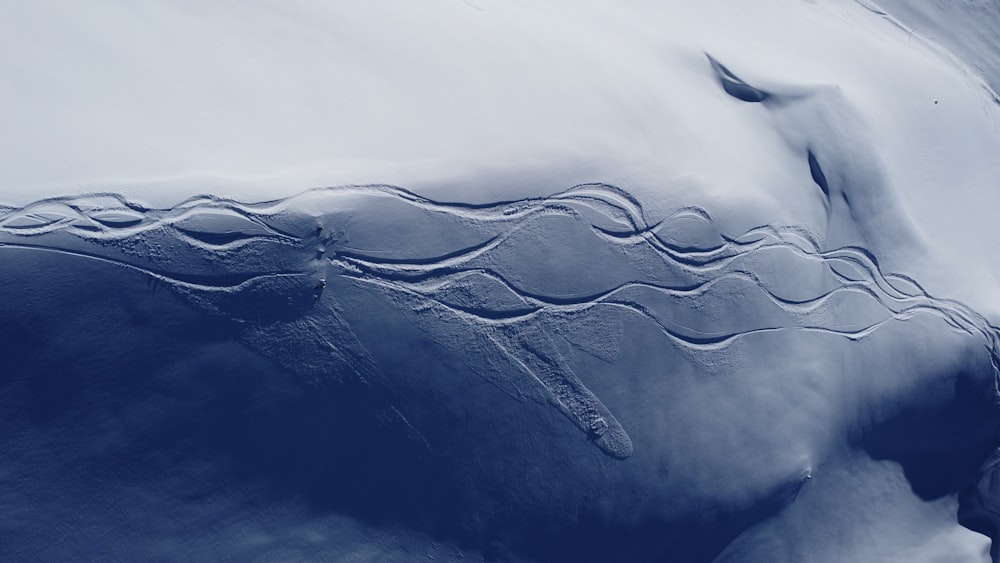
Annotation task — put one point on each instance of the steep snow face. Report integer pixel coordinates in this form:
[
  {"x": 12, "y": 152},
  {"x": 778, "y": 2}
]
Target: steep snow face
[{"x": 704, "y": 282}]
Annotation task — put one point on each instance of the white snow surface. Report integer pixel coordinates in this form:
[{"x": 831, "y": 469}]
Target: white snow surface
[{"x": 631, "y": 280}]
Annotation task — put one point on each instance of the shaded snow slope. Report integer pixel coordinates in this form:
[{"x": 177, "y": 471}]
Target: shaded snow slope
[
  {"x": 672, "y": 281},
  {"x": 552, "y": 379},
  {"x": 965, "y": 29}
]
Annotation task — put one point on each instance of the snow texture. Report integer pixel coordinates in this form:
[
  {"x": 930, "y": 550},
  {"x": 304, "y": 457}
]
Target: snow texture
[{"x": 643, "y": 281}]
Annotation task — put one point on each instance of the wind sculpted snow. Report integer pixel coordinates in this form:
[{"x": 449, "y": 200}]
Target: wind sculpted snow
[{"x": 543, "y": 300}]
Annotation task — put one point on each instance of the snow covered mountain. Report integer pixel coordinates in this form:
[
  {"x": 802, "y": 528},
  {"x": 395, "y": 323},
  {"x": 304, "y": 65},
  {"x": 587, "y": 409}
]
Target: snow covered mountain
[{"x": 512, "y": 281}]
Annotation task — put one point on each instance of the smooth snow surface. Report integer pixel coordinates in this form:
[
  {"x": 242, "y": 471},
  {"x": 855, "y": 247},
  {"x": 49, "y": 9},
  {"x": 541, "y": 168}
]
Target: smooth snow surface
[{"x": 517, "y": 281}]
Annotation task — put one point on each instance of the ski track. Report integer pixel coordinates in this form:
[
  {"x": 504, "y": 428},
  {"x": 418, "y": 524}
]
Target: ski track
[{"x": 100, "y": 223}]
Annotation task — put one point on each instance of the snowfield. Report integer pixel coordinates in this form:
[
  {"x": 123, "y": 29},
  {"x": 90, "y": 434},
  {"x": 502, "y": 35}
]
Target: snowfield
[{"x": 504, "y": 281}]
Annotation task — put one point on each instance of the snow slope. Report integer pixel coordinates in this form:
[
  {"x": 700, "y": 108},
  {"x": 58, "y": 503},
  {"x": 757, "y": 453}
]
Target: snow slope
[{"x": 591, "y": 281}]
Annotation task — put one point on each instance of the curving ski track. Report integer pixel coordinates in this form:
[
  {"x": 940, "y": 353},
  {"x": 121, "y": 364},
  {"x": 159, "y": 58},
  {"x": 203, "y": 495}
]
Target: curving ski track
[{"x": 289, "y": 253}]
